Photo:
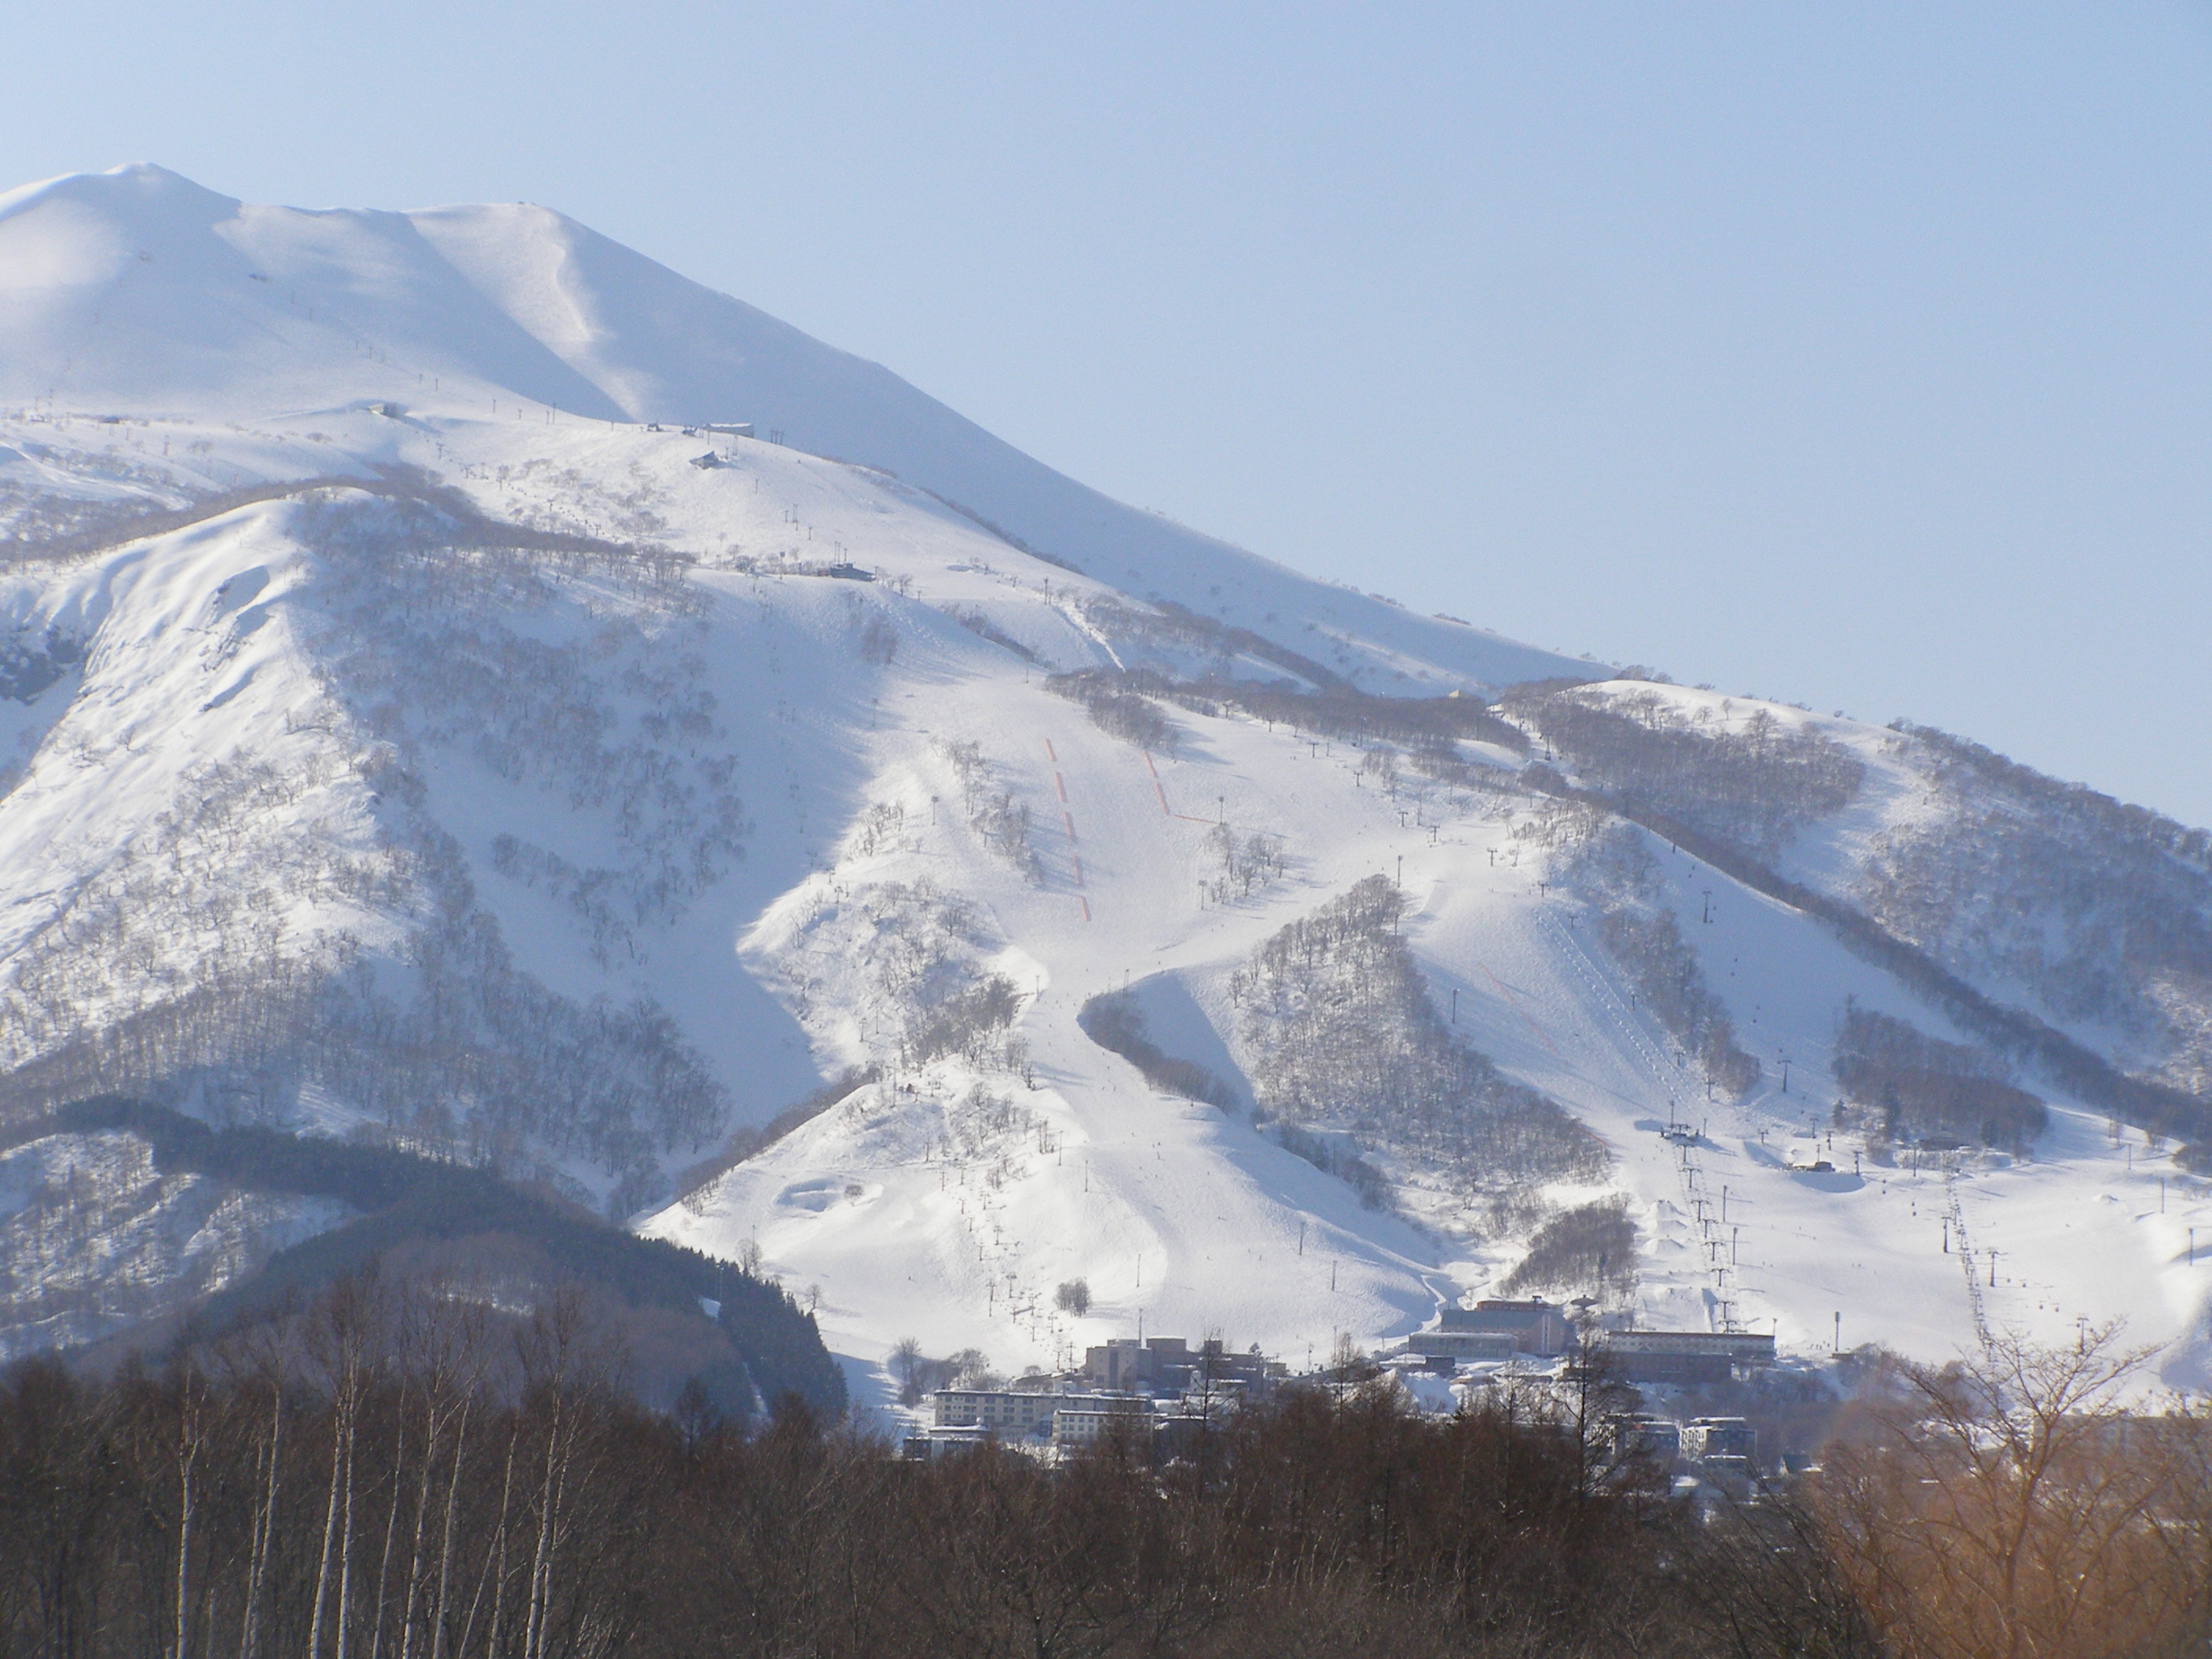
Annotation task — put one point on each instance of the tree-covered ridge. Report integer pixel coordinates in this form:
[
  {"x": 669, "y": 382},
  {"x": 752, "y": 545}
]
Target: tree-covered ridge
[
  {"x": 465, "y": 1220},
  {"x": 1906, "y": 1086},
  {"x": 2100, "y": 911},
  {"x": 1345, "y": 1037},
  {"x": 1752, "y": 784},
  {"x": 558, "y": 664}
]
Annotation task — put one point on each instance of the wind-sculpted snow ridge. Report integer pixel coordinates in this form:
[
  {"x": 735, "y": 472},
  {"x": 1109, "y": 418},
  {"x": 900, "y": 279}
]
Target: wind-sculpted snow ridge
[{"x": 906, "y": 875}]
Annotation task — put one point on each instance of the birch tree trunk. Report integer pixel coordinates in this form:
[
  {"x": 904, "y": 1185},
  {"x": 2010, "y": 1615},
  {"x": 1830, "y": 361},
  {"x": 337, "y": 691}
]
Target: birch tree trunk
[
  {"x": 445, "y": 1546},
  {"x": 330, "y": 1528},
  {"x": 392, "y": 1522},
  {"x": 264, "y": 1525},
  {"x": 190, "y": 1433}
]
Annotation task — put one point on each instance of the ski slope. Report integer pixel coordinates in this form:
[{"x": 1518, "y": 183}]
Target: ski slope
[{"x": 163, "y": 346}]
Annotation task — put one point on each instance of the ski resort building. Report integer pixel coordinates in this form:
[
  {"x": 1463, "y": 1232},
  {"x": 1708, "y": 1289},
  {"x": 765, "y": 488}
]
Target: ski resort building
[
  {"x": 1686, "y": 1357},
  {"x": 1087, "y": 1420},
  {"x": 1707, "y": 1438},
  {"x": 1016, "y": 1412},
  {"x": 1534, "y": 1327},
  {"x": 1124, "y": 1362},
  {"x": 1169, "y": 1364},
  {"x": 1462, "y": 1347},
  {"x": 1639, "y": 1435},
  {"x": 1161, "y": 1386}
]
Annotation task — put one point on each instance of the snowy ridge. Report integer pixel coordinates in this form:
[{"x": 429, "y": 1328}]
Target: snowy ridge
[
  {"x": 138, "y": 291},
  {"x": 553, "y": 785}
]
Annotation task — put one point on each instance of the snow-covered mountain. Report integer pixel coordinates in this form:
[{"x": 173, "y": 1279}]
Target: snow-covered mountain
[{"x": 872, "y": 854}]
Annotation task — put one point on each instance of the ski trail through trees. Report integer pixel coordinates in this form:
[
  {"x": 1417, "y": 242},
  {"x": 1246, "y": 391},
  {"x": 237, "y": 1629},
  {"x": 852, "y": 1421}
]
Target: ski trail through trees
[{"x": 1719, "y": 1261}]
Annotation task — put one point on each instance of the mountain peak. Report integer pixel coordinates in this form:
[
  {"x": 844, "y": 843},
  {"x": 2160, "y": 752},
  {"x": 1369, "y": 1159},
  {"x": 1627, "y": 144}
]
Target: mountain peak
[
  {"x": 138, "y": 291},
  {"x": 144, "y": 193}
]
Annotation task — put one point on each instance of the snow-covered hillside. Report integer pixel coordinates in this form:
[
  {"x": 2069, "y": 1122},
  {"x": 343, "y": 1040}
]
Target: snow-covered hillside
[
  {"x": 409, "y": 729},
  {"x": 137, "y": 291}
]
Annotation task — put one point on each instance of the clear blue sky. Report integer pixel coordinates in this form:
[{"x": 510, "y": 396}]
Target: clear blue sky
[{"x": 1854, "y": 354}]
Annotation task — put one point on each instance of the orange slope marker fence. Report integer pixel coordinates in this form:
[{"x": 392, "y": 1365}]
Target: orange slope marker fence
[
  {"x": 1068, "y": 818},
  {"x": 1162, "y": 792},
  {"x": 1513, "y": 1003}
]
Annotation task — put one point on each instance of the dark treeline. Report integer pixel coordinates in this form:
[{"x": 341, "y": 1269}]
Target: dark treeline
[
  {"x": 394, "y": 1478},
  {"x": 2100, "y": 911},
  {"x": 88, "y": 528},
  {"x": 1348, "y": 1040},
  {"x": 1671, "y": 983},
  {"x": 1751, "y": 786},
  {"x": 514, "y": 1244},
  {"x": 750, "y": 1140},
  {"x": 2112, "y": 821},
  {"x": 1114, "y": 1020},
  {"x": 1419, "y": 722},
  {"x": 1589, "y": 1247},
  {"x": 1118, "y": 712},
  {"x": 1162, "y": 623},
  {"x": 1908, "y": 1085},
  {"x": 1336, "y": 711}
]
